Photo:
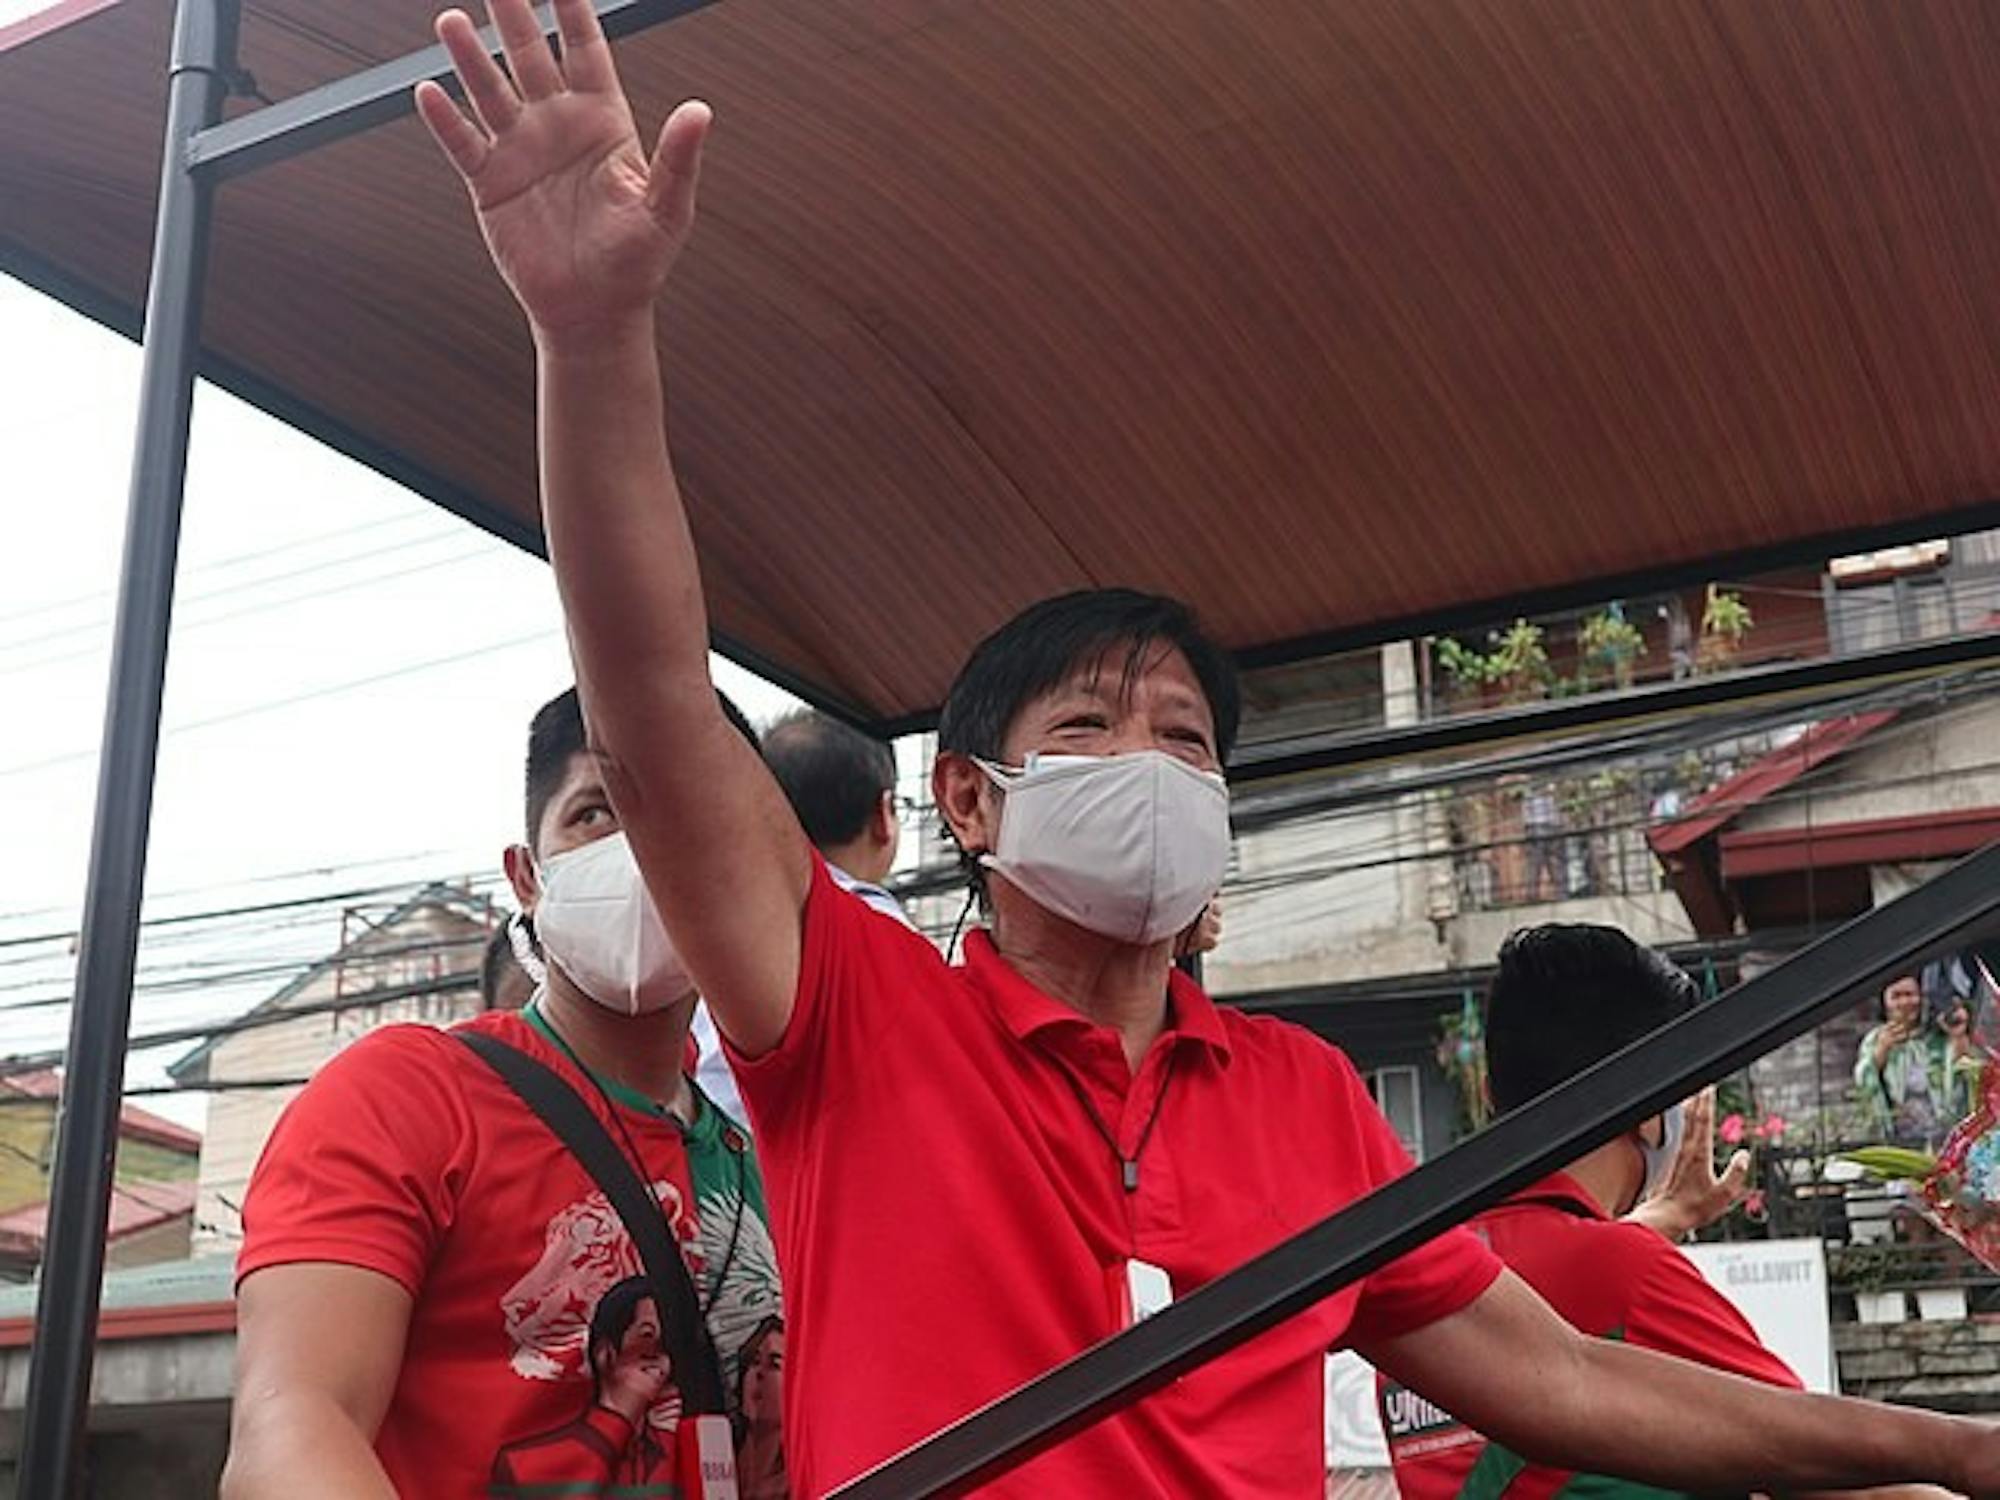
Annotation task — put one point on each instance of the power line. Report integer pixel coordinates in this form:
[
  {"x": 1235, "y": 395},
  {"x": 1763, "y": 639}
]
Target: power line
[
  {"x": 24, "y": 768},
  {"x": 221, "y": 564},
  {"x": 248, "y": 882},
  {"x": 456, "y": 983},
  {"x": 183, "y": 625},
  {"x": 248, "y": 974},
  {"x": 351, "y": 896}
]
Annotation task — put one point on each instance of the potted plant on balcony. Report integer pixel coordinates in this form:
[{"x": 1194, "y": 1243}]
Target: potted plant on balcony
[
  {"x": 1725, "y": 625},
  {"x": 1608, "y": 643}
]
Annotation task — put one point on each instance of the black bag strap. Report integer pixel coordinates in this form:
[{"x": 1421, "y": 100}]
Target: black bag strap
[{"x": 697, "y": 1367}]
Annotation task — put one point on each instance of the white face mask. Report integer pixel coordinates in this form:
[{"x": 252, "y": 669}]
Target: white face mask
[
  {"x": 1128, "y": 846},
  {"x": 1660, "y": 1158},
  {"x": 596, "y": 922}
]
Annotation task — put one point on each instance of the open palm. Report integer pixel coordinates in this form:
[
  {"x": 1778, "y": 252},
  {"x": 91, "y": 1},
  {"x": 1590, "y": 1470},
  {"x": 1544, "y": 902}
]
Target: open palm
[{"x": 582, "y": 225}]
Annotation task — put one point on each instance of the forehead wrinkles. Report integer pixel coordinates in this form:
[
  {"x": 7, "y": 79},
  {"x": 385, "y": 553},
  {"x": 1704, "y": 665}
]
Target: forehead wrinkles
[{"x": 1138, "y": 660}]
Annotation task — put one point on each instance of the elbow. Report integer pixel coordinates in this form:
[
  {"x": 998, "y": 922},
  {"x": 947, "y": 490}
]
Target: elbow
[
  {"x": 239, "y": 1480},
  {"x": 264, "y": 1457},
  {"x": 249, "y": 1463}
]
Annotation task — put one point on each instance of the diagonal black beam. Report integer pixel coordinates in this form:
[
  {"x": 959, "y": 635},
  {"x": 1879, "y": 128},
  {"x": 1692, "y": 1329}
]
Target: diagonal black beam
[
  {"x": 1670, "y": 1064},
  {"x": 374, "y": 96},
  {"x": 1804, "y": 682}
]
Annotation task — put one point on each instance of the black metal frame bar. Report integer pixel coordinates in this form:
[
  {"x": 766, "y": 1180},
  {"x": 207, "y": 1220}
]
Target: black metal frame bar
[
  {"x": 200, "y": 151},
  {"x": 375, "y": 96},
  {"x": 204, "y": 56},
  {"x": 1590, "y": 1109}
]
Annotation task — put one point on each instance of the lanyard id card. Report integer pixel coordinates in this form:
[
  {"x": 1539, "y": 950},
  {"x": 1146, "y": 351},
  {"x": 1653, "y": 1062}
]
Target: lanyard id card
[
  {"x": 705, "y": 1456},
  {"x": 1148, "y": 1289}
]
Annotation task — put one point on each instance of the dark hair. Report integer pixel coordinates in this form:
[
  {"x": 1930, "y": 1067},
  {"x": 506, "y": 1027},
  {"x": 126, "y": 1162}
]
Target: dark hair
[
  {"x": 612, "y": 1318},
  {"x": 767, "y": 1326},
  {"x": 556, "y": 734},
  {"x": 496, "y": 965},
  {"x": 1568, "y": 995},
  {"x": 1043, "y": 645},
  {"x": 833, "y": 775}
]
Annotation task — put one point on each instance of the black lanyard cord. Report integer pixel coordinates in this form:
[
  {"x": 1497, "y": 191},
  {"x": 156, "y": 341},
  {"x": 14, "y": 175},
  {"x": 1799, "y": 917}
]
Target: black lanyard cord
[{"x": 1128, "y": 1166}]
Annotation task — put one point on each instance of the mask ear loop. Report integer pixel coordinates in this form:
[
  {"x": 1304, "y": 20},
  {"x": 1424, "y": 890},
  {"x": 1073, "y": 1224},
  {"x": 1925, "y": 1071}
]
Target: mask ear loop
[
  {"x": 521, "y": 938},
  {"x": 958, "y": 927}
]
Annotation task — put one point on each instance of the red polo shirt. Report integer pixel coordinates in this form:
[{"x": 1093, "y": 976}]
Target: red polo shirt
[
  {"x": 951, "y": 1221},
  {"x": 1605, "y": 1277}
]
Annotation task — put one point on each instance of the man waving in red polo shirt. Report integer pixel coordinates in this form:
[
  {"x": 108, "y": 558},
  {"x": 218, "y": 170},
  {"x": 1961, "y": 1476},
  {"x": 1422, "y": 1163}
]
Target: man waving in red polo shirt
[{"x": 975, "y": 1173}]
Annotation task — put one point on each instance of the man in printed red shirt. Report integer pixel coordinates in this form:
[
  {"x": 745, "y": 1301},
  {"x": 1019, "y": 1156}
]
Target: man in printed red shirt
[
  {"x": 977, "y": 1172},
  {"x": 435, "y": 1299},
  {"x": 1565, "y": 997}
]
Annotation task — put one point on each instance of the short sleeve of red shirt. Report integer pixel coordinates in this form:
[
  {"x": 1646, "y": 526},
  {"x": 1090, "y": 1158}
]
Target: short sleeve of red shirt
[
  {"x": 852, "y": 960},
  {"x": 1675, "y": 1311},
  {"x": 359, "y": 1170},
  {"x": 1434, "y": 1280}
]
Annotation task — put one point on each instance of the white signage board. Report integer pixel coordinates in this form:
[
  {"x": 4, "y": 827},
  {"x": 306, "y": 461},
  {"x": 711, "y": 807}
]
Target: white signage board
[
  {"x": 1780, "y": 1288},
  {"x": 1778, "y": 1285}
]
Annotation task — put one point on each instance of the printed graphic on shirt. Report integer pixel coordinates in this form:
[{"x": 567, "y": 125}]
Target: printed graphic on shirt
[
  {"x": 1415, "y": 1427},
  {"x": 584, "y": 1314}
]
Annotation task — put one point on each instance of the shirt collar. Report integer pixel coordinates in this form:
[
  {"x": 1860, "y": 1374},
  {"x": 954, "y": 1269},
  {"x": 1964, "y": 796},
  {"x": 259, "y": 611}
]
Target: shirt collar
[
  {"x": 1560, "y": 1190},
  {"x": 623, "y": 1093},
  {"x": 1026, "y": 1011}
]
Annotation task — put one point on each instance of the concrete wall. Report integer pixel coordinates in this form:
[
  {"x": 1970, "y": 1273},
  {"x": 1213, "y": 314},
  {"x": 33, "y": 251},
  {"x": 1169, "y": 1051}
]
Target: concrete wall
[
  {"x": 1317, "y": 900},
  {"x": 1943, "y": 762},
  {"x": 1293, "y": 916},
  {"x": 1655, "y": 917},
  {"x": 159, "y": 1416},
  {"x": 1945, "y": 1366}
]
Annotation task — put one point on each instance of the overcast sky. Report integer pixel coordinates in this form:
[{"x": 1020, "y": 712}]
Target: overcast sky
[{"x": 351, "y": 675}]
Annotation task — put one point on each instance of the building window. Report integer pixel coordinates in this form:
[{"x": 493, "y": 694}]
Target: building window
[{"x": 1399, "y": 1094}]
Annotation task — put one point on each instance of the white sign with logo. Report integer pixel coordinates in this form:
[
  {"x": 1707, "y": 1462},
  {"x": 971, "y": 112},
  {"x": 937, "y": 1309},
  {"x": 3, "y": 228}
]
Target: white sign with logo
[{"x": 1780, "y": 1288}]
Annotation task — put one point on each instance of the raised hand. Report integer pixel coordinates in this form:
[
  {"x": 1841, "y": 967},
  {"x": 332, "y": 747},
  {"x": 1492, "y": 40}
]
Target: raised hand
[
  {"x": 1694, "y": 1196},
  {"x": 581, "y": 223}
]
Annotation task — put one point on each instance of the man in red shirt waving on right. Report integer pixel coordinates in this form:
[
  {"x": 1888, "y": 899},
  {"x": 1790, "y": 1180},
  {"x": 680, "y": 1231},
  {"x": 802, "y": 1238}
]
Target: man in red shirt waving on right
[{"x": 1566, "y": 997}]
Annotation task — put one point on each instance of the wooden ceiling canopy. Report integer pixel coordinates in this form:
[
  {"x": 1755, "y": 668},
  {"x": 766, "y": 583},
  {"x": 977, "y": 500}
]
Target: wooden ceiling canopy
[{"x": 1334, "y": 317}]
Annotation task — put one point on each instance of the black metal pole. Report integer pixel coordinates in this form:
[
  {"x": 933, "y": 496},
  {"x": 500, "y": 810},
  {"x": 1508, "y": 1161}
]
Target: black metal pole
[
  {"x": 1553, "y": 1131},
  {"x": 204, "y": 54}
]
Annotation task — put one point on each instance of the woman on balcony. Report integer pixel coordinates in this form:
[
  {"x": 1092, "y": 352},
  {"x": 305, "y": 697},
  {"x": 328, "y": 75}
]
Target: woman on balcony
[{"x": 1906, "y": 1073}]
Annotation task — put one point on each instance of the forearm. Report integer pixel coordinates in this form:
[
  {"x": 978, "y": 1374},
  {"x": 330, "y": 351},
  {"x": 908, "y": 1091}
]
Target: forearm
[
  {"x": 690, "y": 791},
  {"x": 1629, "y": 1412},
  {"x": 617, "y": 532},
  {"x": 301, "y": 1447},
  {"x": 1508, "y": 1367}
]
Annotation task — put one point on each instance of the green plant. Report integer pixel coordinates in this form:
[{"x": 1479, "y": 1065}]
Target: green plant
[
  {"x": 1519, "y": 663},
  {"x": 1609, "y": 642},
  {"x": 1725, "y": 614},
  {"x": 1467, "y": 667},
  {"x": 1725, "y": 623}
]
